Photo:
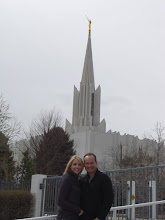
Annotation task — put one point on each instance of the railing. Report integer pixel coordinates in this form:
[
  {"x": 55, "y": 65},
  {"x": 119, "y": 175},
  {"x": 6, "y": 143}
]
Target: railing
[
  {"x": 13, "y": 185},
  {"x": 51, "y": 217},
  {"x": 113, "y": 209}
]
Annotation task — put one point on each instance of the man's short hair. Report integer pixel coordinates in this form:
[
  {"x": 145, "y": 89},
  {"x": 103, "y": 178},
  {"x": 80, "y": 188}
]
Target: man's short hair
[{"x": 90, "y": 154}]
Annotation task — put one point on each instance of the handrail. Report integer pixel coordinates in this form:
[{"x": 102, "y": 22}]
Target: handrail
[
  {"x": 114, "y": 209},
  {"x": 51, "y": 217}
]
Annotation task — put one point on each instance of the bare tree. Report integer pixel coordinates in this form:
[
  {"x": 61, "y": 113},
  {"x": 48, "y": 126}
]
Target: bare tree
[
  {"x": 46, "y": 121},
  {"x": 9, "y": 126},
  {"x": 41, "y": 125},
  {"x": 134, "y": 155},
  {"x": 49, "y": 143},
  {"x": 117, "y": 157},
  {"x": 159, "y": 136}
]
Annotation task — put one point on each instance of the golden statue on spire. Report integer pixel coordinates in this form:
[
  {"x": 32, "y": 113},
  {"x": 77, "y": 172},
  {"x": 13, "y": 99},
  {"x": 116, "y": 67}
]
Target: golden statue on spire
[{"x": 89, "y": 24}]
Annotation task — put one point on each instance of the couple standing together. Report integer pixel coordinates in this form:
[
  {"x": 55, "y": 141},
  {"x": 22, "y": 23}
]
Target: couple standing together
[{"x": 87, "y": 197}]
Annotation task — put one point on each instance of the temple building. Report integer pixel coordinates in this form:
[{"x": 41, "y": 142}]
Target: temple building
[{"x": 87, "y": 131}]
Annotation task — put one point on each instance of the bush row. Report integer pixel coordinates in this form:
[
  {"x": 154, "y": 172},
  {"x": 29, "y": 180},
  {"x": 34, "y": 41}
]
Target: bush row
[{"x": 15, "y": 204}]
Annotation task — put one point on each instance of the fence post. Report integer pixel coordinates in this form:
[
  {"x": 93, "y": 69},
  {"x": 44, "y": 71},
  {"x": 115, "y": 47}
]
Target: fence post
[
  {"x": 37, "y": 179},
  {"x": 114, "y": 214},
  {"x": 152, "y": 184},
  {"x": 131, "y": 194}
]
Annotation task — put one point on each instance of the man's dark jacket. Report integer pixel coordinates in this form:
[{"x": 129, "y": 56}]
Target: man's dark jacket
[
  {"x": 69, "y": 197},
  {"x": 96, "y": 196}
]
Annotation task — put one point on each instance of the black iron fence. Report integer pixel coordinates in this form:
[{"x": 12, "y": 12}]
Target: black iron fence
[{"x": 13, "y": 185}]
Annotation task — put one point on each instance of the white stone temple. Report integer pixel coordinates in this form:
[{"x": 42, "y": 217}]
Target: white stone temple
[{"x": 88, "y": 133}]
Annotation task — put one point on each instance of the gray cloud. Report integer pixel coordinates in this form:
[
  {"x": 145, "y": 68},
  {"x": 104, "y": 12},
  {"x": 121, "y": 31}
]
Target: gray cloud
[{"x": 42, "y": 50}]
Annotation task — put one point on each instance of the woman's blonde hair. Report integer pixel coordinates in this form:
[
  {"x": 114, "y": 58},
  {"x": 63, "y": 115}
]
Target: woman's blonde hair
[{"x": 69, "y": 164}]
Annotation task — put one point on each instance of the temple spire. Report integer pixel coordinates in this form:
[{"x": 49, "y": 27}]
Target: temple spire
[
  {"x": 88, "y": 73},
  {"x": 86, "y": 101}
]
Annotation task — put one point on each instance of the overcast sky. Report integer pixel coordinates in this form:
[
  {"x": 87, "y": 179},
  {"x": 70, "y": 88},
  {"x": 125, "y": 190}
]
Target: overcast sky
[{"x": 42, "y": 50}]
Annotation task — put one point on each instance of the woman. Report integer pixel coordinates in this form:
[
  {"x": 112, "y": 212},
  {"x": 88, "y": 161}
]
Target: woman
[{"x": 69, "y": 191}]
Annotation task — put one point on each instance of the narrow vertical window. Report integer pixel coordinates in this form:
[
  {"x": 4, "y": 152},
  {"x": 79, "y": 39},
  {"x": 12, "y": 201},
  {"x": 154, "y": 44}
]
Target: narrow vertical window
[{"x": 92, "y": 104}]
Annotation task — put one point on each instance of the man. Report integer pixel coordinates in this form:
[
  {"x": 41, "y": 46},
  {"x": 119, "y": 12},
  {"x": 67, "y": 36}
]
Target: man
[{"x": 96, "y": 191}]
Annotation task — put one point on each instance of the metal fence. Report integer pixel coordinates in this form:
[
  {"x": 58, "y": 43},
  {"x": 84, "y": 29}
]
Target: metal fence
[
  {"x": 149, "y": 186},
  {"x": 49, "y": 195},
  {"x": 13, "y": 185}
]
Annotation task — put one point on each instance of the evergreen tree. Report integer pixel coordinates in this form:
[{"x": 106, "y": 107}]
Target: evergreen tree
[
  {"x": 49, "y": 143},
  {"x": 7, "y": 168},
  {"x": 27, "y": 167},
  {"x": 54, "y": 151}
]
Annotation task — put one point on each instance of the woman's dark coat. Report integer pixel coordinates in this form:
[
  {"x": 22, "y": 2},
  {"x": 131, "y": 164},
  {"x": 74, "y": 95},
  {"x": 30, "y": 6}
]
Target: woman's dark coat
[{"x": 69, "y": 196}]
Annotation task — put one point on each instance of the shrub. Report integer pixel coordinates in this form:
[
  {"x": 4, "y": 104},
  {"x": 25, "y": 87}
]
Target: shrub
[{"x": 15, "y": 204}]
